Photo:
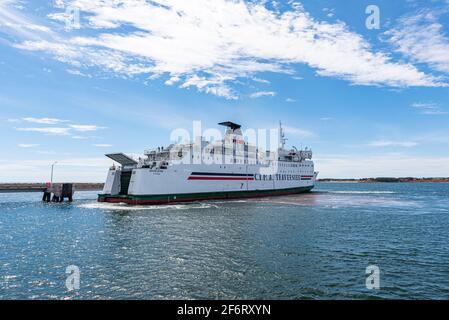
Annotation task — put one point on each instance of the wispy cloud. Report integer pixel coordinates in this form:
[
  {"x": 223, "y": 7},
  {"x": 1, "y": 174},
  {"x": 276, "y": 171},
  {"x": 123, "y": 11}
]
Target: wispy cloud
[
  {"x": 429, "y": 108},
  {"x": 69, "y": 130},
  {"x": 14, "y": 22},
  {"x": 78, "y": 73},
  {"x": 43, "y": 120},
  {"x": 47, "y": 130},
  {"x": 214, "y": 43},
  {"x": 329, "y": 12},
  {"x": 85, "y": 128},
  {"x": 102, "y": 145},
  {"x": 421, "y": 37},
  {"x": 393, "y": 143},
  {"x": 260, "y": 94},
  {"x": 260, "y": 80},
  {"x": 24, "y": 145}
]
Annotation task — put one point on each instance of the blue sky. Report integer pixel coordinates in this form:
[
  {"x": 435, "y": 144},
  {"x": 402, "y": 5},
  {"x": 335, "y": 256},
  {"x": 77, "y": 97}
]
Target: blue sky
[{"x": 370, "y": 102}]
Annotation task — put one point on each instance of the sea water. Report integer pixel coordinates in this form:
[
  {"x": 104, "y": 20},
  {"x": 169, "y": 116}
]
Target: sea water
[{"x": 310, "y": 246}]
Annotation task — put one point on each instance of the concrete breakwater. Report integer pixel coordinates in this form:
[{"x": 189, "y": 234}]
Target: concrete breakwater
[{"x": 40, "y": 187}]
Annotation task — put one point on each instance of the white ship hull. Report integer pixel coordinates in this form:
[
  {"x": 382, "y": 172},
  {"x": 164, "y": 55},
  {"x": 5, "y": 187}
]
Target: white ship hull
[{"x": 182, "y": 183}]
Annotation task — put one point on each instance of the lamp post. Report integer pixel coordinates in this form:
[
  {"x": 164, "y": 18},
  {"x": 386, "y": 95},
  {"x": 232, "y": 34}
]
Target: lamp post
[{"x": 52, "y": 166}]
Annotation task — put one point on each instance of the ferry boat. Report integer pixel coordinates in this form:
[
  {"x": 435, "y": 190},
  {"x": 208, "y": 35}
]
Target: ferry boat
[{"x": 230, "y": 168}]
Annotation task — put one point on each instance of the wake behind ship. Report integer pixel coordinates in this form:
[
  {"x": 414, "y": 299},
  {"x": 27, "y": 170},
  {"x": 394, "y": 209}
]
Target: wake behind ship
[{"x": 225, "y": 169}]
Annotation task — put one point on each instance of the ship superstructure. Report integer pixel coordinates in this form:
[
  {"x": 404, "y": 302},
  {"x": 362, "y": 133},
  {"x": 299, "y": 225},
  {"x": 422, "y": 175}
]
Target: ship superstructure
[{"x": 230, "y": 168}]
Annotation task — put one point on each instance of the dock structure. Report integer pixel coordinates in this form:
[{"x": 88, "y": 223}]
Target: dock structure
[
  {"x": 42, "y": 187},
  {"x": 57, "y": 192}
]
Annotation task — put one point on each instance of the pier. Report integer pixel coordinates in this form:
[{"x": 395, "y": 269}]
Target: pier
[{"x": 56, "y": 192}]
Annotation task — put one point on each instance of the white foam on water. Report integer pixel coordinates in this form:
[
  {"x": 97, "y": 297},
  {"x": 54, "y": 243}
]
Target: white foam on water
[
  {"x": 360, "y": 192},
  {"x": 343, "y": 199},
  {"x": 229, "y": 201},
  {"x": 126, "y": 207},
  {"x": 285, "y": 202}
]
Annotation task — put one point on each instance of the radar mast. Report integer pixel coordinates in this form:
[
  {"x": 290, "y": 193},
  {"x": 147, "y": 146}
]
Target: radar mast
[{"x": 282, "y": 138}]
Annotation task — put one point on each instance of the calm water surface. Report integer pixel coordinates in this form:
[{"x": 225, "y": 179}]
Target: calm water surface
[{"x": 314, "y": 246}]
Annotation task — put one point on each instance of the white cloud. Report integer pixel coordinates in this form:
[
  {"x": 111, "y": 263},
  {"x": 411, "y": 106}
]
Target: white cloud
[
  {"x": 24, "y": 145},
  {"x": 69, "y": 130},
  {"x": 329, "y": 12},
  {"x": 172, "y": 80},
  {"x": 260, "y": 94},
  {"x": 212, "y": 43},
  {"x": 392, "y": 143},
  {"x": 85, "y": 128},
  {"x": 424, "y": 105},
  {"x": 14, "y": 22},
  {"x": 429, "y": 108},
  {"x": 43, "y": 120},
  {"x": 78, "y": 73},
  {"x": 260, "y": 80},
  {"x": 290, "y": 100},
  {"x": 102, "y": 145},
  {"x": 421, "y": 38},
  {"x": 47, "y": 130}
]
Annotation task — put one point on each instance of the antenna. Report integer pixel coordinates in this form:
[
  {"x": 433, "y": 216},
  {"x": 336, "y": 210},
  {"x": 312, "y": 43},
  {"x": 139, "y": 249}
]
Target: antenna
[{"x": 282, "y": 138}]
